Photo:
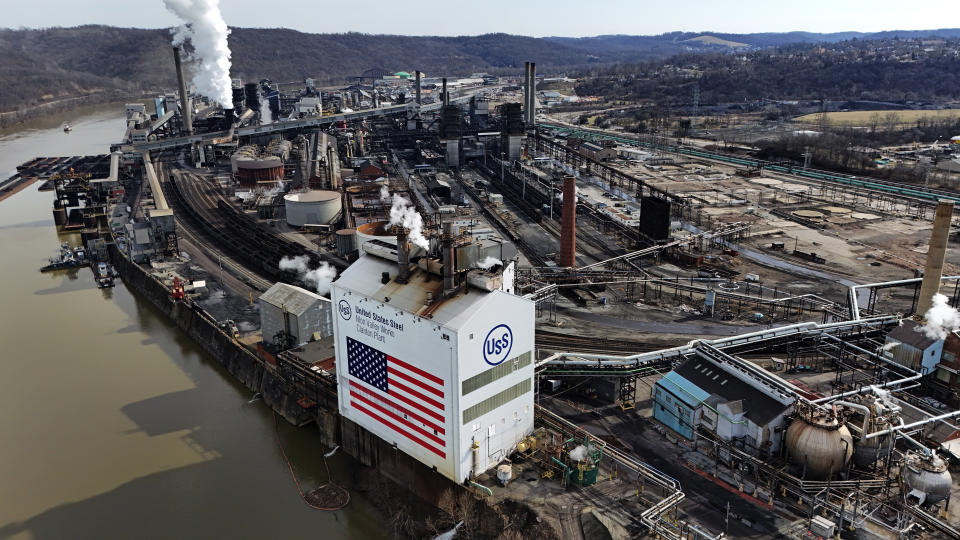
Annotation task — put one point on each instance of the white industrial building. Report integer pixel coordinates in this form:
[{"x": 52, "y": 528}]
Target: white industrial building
[
  {"x": 296, "y": 312},
  {"x": 909, "y": 346},
  {"x": 724, "y": 399},
  {"x": 436, "y": 359}
]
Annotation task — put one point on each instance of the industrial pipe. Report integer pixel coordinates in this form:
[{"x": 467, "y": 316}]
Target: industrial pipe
[
  {"x": 913, "y": 425},
  {"x": 862, "y": 408},
  {"x": 449, "y": 283}
]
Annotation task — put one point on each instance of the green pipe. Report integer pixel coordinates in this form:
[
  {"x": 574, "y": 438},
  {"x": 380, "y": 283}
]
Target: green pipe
[{"x": 483, "y": 487}]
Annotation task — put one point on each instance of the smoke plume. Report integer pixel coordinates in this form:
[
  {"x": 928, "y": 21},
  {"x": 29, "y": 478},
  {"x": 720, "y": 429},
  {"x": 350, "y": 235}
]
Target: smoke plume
[
  {"x": 319, "y": 278},
  {"x": 384, "y": 194},
  {"x": 402, "y": 213},
  {"x": 204, "y": 26},
  {"x": 579, "y": 453},
  {"x": 489, "y": 263},
  {"x": 941, "y": 319}
]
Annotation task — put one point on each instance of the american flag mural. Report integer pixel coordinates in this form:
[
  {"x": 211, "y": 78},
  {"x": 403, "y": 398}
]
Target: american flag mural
[{"x": 407, "y": 400}]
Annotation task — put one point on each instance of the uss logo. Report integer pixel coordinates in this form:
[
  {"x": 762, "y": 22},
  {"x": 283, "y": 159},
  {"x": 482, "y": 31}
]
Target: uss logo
[{"x": 497, "y": 345}]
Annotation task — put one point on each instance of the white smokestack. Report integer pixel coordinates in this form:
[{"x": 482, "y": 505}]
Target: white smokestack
[
  {"x": 320, "y": 278},
  {"x": 941, "y": 319},
  {"x": 402, "y": 213},
  {"x": 204, "y": 26}
]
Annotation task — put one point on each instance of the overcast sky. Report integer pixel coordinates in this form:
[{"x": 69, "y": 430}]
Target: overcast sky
[{"x": 526, "y": 17}]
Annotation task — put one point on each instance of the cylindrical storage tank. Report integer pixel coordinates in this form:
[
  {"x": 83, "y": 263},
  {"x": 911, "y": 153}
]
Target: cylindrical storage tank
[
  {"x": 318, "y": 207},
  {"x": 346, "y": 241},
  {"x": 929, "y": 475},
  {"x": 868, "y": 451},
  {"x": 820, "y": 446},
  {"x": 375, "y": 230}
]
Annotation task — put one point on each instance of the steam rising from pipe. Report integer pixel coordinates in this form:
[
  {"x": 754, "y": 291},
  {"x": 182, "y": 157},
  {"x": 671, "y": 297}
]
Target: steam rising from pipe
[
  {"x": 402, "y": 213},
  {"x": 489, "y": 263},
  {"x": 579, "y": 453},
  {"x": 319, "y": 278},
  {"x": 204, "y": 26},
  {"x": 941, "y": 319}
]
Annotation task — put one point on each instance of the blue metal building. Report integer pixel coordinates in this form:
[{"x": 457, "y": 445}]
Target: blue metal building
[{"x": 675, "y": 403}]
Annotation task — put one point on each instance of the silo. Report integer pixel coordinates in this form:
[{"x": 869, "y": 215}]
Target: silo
[
  {"x": 346, "y": 241},
  {"x": 317, "y": 207}
]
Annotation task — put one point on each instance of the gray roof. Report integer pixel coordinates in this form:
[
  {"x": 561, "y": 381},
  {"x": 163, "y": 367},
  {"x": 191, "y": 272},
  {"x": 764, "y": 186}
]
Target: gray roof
[
  {"x": 293, "y": 299},
  {"x": 909, "y": 333},
  {"x": 760, "y": 408}
]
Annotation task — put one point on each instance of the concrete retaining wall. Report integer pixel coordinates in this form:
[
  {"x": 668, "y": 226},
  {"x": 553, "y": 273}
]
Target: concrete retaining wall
[{"x": 281, "y": 396}]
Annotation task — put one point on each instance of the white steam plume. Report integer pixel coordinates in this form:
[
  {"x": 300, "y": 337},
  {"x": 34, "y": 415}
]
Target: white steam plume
[
  {"x": 402, "y": 213},
  {"x": 579, "y": 453},
  {"x": 384, "y": 194},
  {"x": 489, "y": 263},
  {"x": 204, "y": 26},
  {"x": 320, "y": 278},
  {"x": 940, "y": 319}
]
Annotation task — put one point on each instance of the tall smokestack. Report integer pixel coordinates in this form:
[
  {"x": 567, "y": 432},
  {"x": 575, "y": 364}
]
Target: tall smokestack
[
  {"x": 568, "y": 224},
  {"x": 533, "y": 95},
  {"x": 417, "y": 82},
  {"x": 447, "y": 246},
  {"x": 403, "y": 255},
  {"x": 935, "y": 256},
  {"x": 184, "y": 98},
  {"x": 526, "y": 91},
  {"x": 444, "y": 96}
]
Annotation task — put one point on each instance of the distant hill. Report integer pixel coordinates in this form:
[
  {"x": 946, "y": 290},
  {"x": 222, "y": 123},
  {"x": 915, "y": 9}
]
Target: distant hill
[
  {"x": 719, "y": 42},
  {"x": 40, "y": 66}
]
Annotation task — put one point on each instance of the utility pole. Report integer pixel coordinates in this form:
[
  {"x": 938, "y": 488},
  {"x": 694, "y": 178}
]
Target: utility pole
[{"x": 726, "y": 521}]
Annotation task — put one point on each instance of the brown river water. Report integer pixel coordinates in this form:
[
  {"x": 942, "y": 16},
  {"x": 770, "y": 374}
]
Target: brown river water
[{"x": 113, "y": 424}]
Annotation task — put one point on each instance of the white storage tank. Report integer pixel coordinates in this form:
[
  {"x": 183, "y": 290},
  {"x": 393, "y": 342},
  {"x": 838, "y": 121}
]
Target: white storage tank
[
  {"x": 315, "y": 207},
  {"x": 375, "y": 230}
]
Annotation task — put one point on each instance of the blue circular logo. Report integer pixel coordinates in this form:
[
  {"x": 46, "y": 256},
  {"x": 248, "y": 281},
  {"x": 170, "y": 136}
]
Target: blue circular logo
[
  {"x": 344, "y": 308},
  {"x": 497, "y": 345}
]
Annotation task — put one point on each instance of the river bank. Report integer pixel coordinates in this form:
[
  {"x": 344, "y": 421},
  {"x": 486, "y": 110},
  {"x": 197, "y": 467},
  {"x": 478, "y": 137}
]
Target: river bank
[
  {"x": 61, "y": 110},
  {"x": 117, "y": 424}
]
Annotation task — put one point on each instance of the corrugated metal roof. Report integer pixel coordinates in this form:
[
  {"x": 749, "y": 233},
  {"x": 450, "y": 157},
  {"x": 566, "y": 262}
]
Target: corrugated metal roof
[
  {"x": 909, "y": 333},
  {"x": 293, "y": 299},
  {"x": 685, "y": 390},
  {"x": 756, "y": 405}
]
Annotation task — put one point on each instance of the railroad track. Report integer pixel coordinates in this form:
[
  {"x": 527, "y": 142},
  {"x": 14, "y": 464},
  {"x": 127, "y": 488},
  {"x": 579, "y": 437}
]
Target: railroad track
[
  {"x": 558, "y": 342},
  {"x": 195, "y": 230}
]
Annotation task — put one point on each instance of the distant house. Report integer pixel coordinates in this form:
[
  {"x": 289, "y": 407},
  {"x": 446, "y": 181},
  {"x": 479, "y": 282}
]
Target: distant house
[{"x": 908, "y": 346}]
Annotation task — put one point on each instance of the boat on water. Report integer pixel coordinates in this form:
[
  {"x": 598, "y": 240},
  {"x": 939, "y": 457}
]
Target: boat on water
[
  {"x": 67, "y": 128},
  {"x": 105, "y": 275},
  {"x": 68, "y": 258}
]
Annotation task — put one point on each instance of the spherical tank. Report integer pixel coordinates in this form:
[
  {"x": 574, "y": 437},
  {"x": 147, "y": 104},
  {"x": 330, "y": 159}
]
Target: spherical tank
[
  {"x": 928, "y": 474},
  {"x": 820, "y": 446},
  {"x": 312, "y": 207}
]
